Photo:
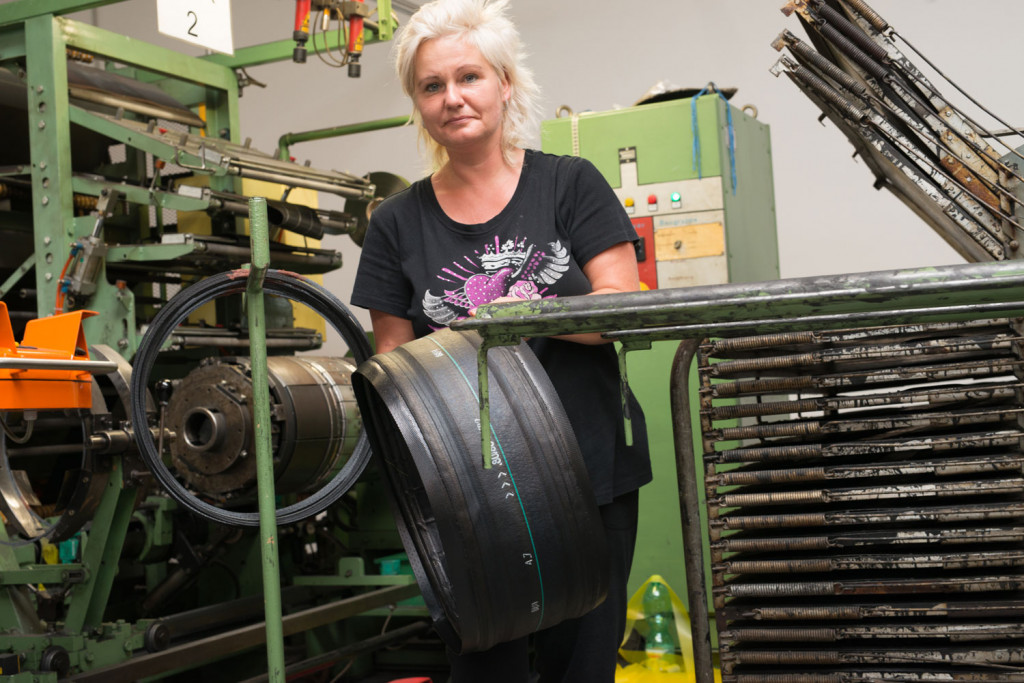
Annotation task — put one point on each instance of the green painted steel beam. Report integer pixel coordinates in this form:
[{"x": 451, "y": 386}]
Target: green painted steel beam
[
  {"x": 141, "y": 195},
  {"x": 138, "y": 140},
  {"x": 40, "y": 573},
  {"x": 88, "y": 600},
  {"x": 254, "y": 304},
  {"x": 26, "y": 9},
  {"x": 289, "y": 139},
  {"x": 16, "y": 276},
  {"x": 140, "y": 253},
  {"x": 941, "y": 293},
  {"x": 151, "y": 57},
  {"x": 49, "y": 134},
  {"x": 12, "y": 43}
]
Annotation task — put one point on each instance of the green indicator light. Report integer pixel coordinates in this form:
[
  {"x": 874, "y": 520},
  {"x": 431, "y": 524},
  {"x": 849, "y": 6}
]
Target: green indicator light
[{"x": 676, "y": 196}]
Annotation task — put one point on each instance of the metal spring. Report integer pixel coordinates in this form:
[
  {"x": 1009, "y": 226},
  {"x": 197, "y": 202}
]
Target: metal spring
[
  {"x": 853, "y": 32},
  {"x": 869, "y": 15},
  {"x": 810, "y": 612},
  {"x": 760, "y": 341},
  {"x": 769, "y": 453},
  {"x": 737, "y": 523},
  {"x": 768, "y": 431},
  {"x": 84, "y": 202},
  {"x": 756, "y": 364}
]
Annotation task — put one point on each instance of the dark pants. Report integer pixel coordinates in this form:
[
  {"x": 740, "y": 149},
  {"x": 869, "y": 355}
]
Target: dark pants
[{"x": 582, "y": 650}]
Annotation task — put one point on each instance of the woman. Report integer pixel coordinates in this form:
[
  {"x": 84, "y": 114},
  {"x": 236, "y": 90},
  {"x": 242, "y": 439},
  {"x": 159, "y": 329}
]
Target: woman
[{"x": 497, "y": 222}]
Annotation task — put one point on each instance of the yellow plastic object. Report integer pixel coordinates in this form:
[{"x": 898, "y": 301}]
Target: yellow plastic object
[
  {"x": 58, "y": 337},
  {"x": 642, "y": 668}
]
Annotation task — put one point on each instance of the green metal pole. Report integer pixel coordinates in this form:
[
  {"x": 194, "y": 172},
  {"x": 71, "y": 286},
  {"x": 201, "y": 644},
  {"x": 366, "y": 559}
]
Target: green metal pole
[
  {"x": 261, "y": 420},
  {"x": 289, "y": 139}
]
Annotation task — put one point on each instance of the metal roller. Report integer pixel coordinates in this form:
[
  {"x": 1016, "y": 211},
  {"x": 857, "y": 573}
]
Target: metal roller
[{"x": 315, "y": 421}]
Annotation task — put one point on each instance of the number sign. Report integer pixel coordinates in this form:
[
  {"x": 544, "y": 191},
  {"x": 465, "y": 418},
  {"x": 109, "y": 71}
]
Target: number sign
[{"x": 201, "y": 22}]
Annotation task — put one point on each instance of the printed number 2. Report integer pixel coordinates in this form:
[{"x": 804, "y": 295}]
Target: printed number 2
[{"x": 195, "y": 20}]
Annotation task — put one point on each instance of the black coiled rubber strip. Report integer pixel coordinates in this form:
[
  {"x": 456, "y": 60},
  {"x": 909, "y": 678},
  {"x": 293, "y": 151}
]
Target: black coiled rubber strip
[{"x": 173, "y": 313}]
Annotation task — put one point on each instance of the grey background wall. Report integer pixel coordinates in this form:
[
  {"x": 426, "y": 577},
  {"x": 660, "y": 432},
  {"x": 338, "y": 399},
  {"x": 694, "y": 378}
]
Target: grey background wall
[{"x": 601, "y": 54}]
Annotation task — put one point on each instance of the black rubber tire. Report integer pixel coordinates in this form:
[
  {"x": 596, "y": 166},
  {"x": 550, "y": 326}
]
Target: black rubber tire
[
  {"x": 498, "y": 553},
  {"x": 174, "y": 312}
]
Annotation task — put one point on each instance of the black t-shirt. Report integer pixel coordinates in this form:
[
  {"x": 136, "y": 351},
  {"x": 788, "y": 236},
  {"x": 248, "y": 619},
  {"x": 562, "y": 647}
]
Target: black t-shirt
[{"x": 420, "y": 265}]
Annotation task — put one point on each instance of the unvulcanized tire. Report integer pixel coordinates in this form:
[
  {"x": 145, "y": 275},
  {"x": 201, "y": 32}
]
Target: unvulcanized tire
[{"x": 501, "y": 552}]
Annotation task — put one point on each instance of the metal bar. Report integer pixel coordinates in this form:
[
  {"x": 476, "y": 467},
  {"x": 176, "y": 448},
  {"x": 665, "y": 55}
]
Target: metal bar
[
  {"x": 151, "y": 57},
  {"x": 689, "y": 510},
  {"x": 19, "y": 11},
  {"x": 18, "y": 273},
  {"x": 372, "y": 644},
  {"x": 713, "y": 309},
  {"x": 262, "y": 437},
  {"x": 88, "y": 600},
  {"x": 50, "y": 141},
  {"x": 198, "y": 652},
  {"x": 96, "y": 367},
  {"x": 289, "y": 139}
]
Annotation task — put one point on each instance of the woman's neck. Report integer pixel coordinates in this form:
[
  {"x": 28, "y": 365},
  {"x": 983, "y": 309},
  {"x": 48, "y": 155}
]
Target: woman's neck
[{"x": 474, "y": 189}]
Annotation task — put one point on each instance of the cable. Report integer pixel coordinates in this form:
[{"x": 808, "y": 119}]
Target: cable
[{"x": 23, "y": 438}]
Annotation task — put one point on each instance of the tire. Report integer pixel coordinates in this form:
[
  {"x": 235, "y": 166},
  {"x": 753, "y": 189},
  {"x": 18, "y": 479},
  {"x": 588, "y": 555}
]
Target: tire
[
  {"x": 173, "y": 313},
  {"x": 498, "y": 553}
]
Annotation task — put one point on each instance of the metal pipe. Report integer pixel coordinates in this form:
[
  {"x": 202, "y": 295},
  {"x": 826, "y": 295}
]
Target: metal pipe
[
  {"x": 372, "y": 644},
  {"x": 689, "y": 511},
  {"x": 198, "y": 652},
  {"x": 96, "y": 367},
  {"x": 262, "y": 438},
  {"x": 289, "y": 139},
  {"x": 871, "y": 296}
]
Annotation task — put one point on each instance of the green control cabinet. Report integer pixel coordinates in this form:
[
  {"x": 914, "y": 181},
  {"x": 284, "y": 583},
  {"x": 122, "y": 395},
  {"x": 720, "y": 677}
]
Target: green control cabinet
[{"x": 695, "y": 176}]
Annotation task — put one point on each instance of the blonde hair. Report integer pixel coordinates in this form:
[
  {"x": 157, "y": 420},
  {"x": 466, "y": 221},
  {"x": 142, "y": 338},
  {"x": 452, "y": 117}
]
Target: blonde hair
[{"x": 484, "y": 25}]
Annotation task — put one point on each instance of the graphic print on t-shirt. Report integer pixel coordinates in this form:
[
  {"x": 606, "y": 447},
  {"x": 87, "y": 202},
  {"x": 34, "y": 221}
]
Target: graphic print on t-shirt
[{"x": 516, "y": 268}]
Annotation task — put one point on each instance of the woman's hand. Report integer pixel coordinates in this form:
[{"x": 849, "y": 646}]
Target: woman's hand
[{"x": 613, "y": 271}]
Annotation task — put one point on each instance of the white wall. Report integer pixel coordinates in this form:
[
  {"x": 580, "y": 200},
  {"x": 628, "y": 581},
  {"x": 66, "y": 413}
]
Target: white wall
[{"x": 599, "y": 54}]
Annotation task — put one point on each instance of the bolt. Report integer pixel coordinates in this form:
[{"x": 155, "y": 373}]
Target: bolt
[
  {"x": 40, "y": 89},
  {"x": 49, "y": 276},
  {"x": 42, "y": 165},
  {"x": 42, "y": 124},
  {"x": 122, "y": 343},
  {"x": 44, "y": 201},
  {"x": 47, "y": 240}
]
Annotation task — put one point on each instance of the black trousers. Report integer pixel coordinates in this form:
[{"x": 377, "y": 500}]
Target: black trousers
[{"x": 582, "y": 650}]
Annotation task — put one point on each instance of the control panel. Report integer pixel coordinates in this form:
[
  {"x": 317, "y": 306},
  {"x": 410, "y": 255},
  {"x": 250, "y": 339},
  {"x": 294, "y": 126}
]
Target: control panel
[{"x": 681, "y": 225}]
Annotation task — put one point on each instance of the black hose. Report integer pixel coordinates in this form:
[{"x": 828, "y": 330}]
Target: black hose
[{"x": 174, "y": 312}]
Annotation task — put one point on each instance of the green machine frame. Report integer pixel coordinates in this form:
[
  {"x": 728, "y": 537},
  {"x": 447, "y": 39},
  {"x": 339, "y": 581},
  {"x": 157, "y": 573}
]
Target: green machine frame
[
  {"x": 35, "y": 40},
  {"x": 718, "y": 228}
]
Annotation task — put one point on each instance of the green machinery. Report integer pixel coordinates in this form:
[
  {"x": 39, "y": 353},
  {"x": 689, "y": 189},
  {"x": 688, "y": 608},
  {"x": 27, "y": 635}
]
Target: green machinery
[
  {"x": 695, "y": 175},
  {"x": 123, "y": 179}
]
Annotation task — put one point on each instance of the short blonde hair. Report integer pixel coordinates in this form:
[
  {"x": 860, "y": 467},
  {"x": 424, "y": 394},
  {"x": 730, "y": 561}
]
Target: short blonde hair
[{"x": 484, "y": 25}]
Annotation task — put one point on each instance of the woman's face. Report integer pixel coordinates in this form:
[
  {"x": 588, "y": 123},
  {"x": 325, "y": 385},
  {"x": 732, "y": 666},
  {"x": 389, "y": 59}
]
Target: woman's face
[{"x": 459, "y": 96}]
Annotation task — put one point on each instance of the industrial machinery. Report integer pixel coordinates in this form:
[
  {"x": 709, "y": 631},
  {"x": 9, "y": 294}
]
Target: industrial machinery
[
  {"x": 863, "y": 485},
  {"x": 124, "y": 181}
]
